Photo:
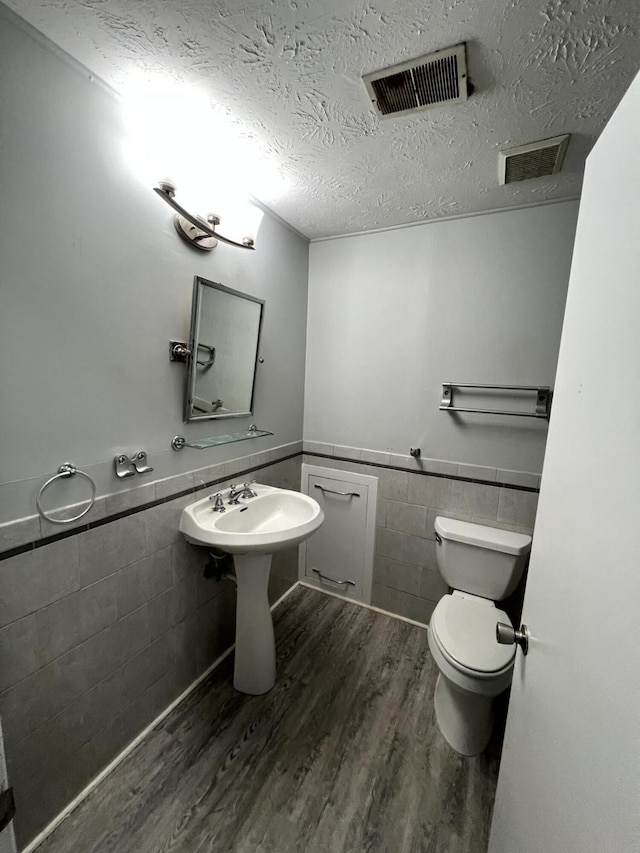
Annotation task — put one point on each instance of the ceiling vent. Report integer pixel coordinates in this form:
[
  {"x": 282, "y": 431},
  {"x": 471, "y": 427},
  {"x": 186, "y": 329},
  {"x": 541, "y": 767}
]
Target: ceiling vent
[
  {"x": 534, "y": 160},
  {"x": 420, "y": 84}
]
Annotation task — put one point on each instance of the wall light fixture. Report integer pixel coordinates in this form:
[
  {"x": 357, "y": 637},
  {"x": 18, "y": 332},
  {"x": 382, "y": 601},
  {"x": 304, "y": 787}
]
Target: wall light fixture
[{"x": 195, "y": 230}]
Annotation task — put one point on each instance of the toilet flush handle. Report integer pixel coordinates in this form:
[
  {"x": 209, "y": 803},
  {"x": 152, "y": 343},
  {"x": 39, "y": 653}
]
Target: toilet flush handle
[{"x": 507, "y": 636}]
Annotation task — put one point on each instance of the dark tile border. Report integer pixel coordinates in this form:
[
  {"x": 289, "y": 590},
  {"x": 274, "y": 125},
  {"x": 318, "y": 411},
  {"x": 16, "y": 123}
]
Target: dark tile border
[
  {"x": 65, "y": 534},
  {"x": 497, "y": 483}
]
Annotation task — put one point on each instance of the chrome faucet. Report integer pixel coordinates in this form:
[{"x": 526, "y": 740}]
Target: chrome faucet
[
  {"x": 235, "y": 493},
  {"x": 218, "y": 505}
]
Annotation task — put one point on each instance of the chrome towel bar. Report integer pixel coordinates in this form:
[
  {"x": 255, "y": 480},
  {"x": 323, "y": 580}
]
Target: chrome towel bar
[{"x": 542, "y": 403}]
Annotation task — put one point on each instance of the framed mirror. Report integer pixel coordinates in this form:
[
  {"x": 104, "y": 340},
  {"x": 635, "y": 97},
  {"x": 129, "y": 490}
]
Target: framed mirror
[{"x": 224, "y": 341}]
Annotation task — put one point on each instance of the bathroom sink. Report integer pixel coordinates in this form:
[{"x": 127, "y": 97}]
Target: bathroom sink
[
  {"x": 273, "y": 520},
  {"x": 252, "y": 530}
]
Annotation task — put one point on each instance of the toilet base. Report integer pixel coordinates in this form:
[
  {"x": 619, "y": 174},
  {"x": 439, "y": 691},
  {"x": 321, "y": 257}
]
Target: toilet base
[{"x": 465, "y": 719}]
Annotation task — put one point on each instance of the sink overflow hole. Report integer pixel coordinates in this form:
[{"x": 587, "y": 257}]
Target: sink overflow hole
[{"x": 244, "y": 509}]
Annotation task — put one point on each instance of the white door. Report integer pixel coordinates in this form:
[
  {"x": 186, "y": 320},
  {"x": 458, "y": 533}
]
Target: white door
[{"x": 570, "y": 774}]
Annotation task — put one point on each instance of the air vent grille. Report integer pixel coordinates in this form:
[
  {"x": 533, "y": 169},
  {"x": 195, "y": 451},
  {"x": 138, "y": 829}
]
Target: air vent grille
[
  {"x": 395, "y": 94},
  {"x": 536, "y": 160},
  {"x": 423, "y": 83},
  {"x": 437, "y": 81}
]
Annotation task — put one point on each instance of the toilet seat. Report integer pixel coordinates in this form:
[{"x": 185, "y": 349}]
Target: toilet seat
[{"x": 464, "y": 628}]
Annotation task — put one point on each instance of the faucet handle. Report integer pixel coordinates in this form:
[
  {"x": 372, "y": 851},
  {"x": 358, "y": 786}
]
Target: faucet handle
[{"x": 218, "y": 505}]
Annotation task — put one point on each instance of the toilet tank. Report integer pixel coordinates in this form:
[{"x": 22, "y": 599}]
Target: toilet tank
[{"x": 478, "y": 559}]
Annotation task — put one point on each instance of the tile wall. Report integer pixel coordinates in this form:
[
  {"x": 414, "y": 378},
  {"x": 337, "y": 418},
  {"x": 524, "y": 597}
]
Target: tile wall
[
  {"x": 411, "y": 493},
  {"x": 102, "y": 626},
  {"x": 101, "y": 629}
]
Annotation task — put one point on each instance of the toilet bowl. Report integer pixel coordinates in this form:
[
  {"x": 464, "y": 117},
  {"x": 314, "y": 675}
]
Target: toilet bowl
[{"x": 481, "y": 564}]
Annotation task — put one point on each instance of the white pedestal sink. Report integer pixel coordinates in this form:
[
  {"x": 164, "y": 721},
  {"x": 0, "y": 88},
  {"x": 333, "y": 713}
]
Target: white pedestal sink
[
  {"x": 252, "y": 531},
  {"x": 255, "y": 663}
]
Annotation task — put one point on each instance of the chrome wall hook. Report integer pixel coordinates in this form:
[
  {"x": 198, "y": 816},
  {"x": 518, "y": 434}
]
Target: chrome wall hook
[
  {"x": 129, "y": 466},
  {"x": 140, "y": 462}
]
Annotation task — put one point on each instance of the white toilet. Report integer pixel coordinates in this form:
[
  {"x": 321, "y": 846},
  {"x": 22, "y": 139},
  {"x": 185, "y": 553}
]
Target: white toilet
[{"x": 482, "y": 565}]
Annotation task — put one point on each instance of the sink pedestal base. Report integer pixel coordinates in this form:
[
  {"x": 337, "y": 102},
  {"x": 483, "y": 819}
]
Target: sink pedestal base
[{"x": 255, "y": 662}]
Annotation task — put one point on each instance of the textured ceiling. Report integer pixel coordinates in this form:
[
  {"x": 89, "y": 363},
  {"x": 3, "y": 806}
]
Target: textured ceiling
[{"x": 287, "y": 73}]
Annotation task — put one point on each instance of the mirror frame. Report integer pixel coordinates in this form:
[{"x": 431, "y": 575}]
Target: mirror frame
[{"x": 190, "y": 383}]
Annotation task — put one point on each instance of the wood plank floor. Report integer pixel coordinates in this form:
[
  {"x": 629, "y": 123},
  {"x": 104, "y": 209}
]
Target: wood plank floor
[{"x": 344, "y": 754}]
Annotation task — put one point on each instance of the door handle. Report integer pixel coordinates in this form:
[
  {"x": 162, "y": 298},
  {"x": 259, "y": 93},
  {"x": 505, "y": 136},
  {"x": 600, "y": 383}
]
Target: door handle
[
  {"x": 507, "y": 636},
  {"x": 334, "y": 492},
  {"x": 327, "y": 578}
]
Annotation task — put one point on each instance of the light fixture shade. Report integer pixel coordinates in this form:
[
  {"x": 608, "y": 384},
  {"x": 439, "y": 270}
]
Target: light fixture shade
[
  {"x": 162, "y": 121},
  {"x": 252, "y": 220},
  {"x": 241, "y": 220}
]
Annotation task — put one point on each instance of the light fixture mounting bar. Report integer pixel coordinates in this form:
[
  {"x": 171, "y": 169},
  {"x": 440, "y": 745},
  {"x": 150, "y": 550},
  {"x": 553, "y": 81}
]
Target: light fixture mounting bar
[{"x": 166, "y": 194}]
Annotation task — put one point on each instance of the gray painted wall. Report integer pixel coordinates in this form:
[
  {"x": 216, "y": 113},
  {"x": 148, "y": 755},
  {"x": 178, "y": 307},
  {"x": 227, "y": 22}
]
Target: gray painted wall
[
  {"x": 393, "y": 315},
  {"x": 93, "y": 284}
]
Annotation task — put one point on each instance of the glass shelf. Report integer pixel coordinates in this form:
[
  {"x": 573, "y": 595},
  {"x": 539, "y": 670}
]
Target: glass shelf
[{"x": 178, "y": 442}]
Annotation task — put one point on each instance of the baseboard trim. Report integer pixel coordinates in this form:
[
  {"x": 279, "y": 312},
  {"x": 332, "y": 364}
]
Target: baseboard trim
[
  {"x": 362, "y": 604},
  {"x": 58, "y": 819}
]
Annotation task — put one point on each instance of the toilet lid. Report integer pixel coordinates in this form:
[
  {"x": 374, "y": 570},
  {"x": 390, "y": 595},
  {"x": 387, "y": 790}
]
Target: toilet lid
[{"x": 466, "y": 629}]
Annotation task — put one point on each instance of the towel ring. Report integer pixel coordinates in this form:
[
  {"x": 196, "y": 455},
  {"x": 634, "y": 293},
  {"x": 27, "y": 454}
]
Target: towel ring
[{"x": 66, "y": 470}]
